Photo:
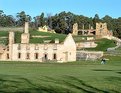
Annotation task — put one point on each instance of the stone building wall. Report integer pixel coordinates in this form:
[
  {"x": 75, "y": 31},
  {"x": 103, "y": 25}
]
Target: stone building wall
[
  {"x": 46, "y": 29},
  {"x": 45, "y": 52},
  {"x": 24, "y": 51},
  {"x": 101, "y": 30},
  {"x": 75, "y": 29},
  {"x": 86, "y": 45},
  {"x": 89, "y": 55}
]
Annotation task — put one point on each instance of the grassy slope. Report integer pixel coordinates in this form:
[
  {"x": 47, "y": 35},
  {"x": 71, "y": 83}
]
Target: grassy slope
[
  {"x": 3, "y": 34},
  {"x": 52, "y": 37},
  {"x": 103, "y": 44},
  {"x": 79, "y": 77},
  {"x": 80, "y": 38}
]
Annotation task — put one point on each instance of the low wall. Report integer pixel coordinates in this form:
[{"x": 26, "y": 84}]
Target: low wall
[
  {"x": 86, "y": 45},
  {"x": 88, "y": 55},
  {"x": 12, "y": 29},
  {"x": 116, "y": 39}
]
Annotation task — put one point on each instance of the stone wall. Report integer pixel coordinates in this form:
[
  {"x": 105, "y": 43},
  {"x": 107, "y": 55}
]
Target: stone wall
[
  {"x": 75, "y": 29},
  {"x": 64, "y": 52},
  {"x": 101, "y": 30},
  {"x": 21, "y": 29},
  {"x": 88, "y": 55},
  {"x": 59, "y": 52},
  {"x": 24, "y": 51},
  {"x": 113, "y": 38},
  {"x": 86, "y": 45}
]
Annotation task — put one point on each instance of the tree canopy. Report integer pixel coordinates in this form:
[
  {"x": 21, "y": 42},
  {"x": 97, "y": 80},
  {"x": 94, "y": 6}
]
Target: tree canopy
[{"x": 61, "y": 22}]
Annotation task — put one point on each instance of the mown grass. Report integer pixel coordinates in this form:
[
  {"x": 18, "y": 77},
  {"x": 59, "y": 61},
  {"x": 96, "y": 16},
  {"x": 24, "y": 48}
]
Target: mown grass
[{"x": 74, "y": 77}]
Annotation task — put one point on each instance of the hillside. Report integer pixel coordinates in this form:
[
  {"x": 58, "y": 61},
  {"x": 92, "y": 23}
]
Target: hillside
[
  {"x": 103, "y": 44},
  {"x": 39, "y": 37}
]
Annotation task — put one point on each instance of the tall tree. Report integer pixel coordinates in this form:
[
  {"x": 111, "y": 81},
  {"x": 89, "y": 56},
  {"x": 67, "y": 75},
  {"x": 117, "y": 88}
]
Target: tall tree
[
  {"x": 96, "y": 19},
  {"x": 42, "y": 19},
  {"x": 117, "y": 27},
  {"x": 109, "y": 21},
  {"x": 22, "y": 18},
  {"x": 49, "y": 20}
]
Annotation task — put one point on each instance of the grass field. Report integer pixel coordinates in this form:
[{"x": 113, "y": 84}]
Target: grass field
[
  {"x": 75, "y": 77},
  {"x": 103, "y": 44}
]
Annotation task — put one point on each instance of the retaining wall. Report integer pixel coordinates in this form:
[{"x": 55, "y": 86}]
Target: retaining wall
[{"x": 88, "y": 55}]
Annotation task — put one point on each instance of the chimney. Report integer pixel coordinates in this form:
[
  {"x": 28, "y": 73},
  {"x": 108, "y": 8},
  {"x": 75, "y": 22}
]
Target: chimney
[{"x": 26, "y": 28}]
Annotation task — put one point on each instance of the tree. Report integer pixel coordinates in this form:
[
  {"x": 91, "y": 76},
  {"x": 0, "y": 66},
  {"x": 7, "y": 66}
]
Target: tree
[
  {"x": 96, "y": 19},
  {"x": 49, "y": 20},
  {"x": 109, "y": 21},
  {"x": 117, "y": 27},
  {"x": 22, "y": 18},
  {"x": 42, "y": 19},
  {"x": 6, "y": 20}
]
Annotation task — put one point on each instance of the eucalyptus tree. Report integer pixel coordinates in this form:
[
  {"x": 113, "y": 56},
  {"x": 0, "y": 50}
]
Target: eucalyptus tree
[{"x": 22, "y": 17}]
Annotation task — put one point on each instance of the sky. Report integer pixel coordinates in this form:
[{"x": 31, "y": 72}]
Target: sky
[{"x": 81, "y": 7}]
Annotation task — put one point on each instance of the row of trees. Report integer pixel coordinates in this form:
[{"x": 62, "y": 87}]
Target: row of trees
[{"x": 62, "y": 22}]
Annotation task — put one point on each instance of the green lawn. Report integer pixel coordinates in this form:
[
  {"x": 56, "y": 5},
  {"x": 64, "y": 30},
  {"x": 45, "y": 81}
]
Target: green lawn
[
  {"x": 50, "y": 36},
  {"x": 75, "y": 77},
  {"x": 103, "y": 44}
]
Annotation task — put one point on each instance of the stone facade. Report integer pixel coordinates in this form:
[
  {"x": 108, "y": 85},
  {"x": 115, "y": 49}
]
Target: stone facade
[
  {"x": 101, "y": 30},
  {"x": 46, "y": 29},
  {"x": 46, "y": 52},
  {"x": 87, "y": 44},
  {"x": 25, "y": 36},
  {"x": 75, "y": 29},
  {"x": 89, "y": 55}
]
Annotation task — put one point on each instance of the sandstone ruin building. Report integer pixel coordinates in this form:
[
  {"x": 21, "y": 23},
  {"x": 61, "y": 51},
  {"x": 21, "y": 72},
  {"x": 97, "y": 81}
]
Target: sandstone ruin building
[
  {"x": 25, "y": 51},
  {"x": 101, "y": 30},
  {"x": 46, "y": 29}
]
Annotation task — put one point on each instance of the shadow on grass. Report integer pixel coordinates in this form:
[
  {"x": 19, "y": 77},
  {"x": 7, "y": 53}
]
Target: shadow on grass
[
  {"x": 118, "y": 72},
  {"x": 16, "y": 84},
  {"x": 116, "y": 81},
  {"x": 73, "y": 82},
  {"x": 66, "y": 84},
  {"x": 101, "y": 70},
  {"x": 112, "y": 78}
]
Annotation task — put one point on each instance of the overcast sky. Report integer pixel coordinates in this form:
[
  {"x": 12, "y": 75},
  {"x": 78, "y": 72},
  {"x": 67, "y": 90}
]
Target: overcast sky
[{"x": 82, "y": 7}]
